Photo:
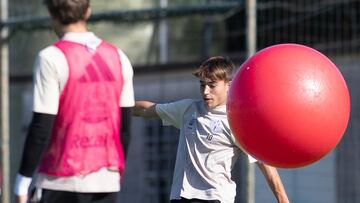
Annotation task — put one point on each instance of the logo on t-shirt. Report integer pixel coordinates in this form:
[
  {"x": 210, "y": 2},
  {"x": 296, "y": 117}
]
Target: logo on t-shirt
[
  {"x": 192, "y": 121},
  {"x": 215, "y": 128}
]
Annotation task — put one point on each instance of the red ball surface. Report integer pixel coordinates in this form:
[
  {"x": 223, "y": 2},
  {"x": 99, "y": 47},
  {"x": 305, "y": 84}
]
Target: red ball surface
[{"x": 288, "y": 106}]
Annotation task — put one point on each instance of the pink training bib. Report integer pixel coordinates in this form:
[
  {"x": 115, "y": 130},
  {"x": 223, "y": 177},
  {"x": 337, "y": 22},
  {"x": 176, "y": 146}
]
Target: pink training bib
[{"x": 86, "y": 133}]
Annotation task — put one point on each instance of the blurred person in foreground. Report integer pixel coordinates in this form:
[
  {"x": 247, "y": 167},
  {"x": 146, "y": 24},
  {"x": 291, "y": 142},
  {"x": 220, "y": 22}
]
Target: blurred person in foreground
[
  {"x": 207, "y": 150},
  {"x": 83, "y": 93}
]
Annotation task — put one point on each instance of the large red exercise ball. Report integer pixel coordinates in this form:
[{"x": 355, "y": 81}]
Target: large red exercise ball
[{"x": 288, "y": 105}]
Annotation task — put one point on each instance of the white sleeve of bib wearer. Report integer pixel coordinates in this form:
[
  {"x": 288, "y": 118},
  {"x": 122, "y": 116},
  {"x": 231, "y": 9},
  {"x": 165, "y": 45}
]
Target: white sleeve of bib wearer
[
  {"x": 22, "y": 184},
  {"x": 47, "y": 82},
  {"x": 127, "y": 96},
  {"x": 173, "y": 113}
]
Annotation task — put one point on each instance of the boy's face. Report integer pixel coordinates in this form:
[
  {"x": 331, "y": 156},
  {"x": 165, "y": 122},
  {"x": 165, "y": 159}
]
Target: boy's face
[{"x": 214, "y": 93}]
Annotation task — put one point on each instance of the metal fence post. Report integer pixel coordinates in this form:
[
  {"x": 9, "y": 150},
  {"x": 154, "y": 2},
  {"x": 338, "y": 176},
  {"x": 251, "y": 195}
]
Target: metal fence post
[{"x": 4, "y": 100}]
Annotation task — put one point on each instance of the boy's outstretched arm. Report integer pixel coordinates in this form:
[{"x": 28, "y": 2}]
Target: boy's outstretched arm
[
  {"x": 274, "y": 181},
  {"x": 145, "y": 109}
]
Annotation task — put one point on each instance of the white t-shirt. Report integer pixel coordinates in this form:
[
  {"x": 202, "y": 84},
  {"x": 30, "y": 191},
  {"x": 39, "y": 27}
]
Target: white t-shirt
[
  {"x": 51, "y": 74},
  {"x": 207, "y": 151}
]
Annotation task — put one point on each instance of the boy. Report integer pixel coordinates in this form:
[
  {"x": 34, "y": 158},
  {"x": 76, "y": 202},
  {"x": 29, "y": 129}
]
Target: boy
[
  {"x": 83, "y": 88},
  {"x": 207, "y": 150}
]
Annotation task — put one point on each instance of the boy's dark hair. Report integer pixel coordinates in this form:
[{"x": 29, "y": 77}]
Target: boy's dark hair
[
  {"x": 215, "y": 68},
  {"x": 67, "y": 11}
]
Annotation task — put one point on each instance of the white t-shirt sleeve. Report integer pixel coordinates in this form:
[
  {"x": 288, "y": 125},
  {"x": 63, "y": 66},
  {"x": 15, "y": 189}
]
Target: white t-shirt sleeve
[
  {"x": 22, "y": 185},
  {"x": 46, "y": 80},
  {"x": 127, "y": 96},
  {"x": 173, "y": 113},
  {"x": 250, "y": 158}
]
